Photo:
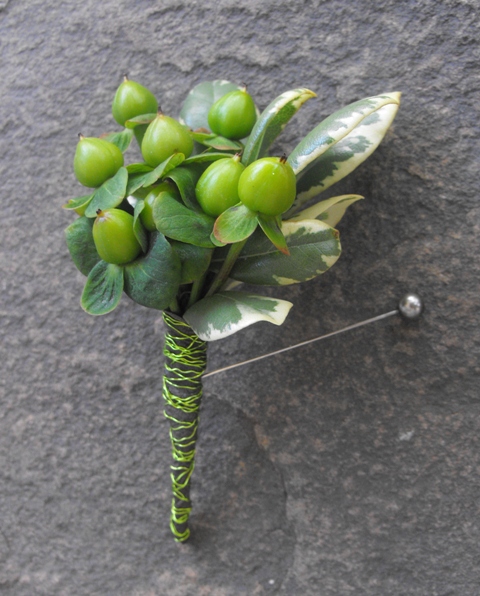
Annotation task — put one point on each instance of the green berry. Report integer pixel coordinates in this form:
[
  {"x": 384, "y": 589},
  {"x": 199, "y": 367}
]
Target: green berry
[
  {"x": 233, "y": 115},
  {"x": 268, "y": 186},
  {"x": 146, "y": 214},
  {"x": 114, "y": 238},
  {"x": 95, "y": 161},
  {"x": 132, "y": 99},
  {"x": 164, "y": 137},
  {"x": 217, "y": 187}
]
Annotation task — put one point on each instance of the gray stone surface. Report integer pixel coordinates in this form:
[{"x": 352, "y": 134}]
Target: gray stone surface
[{"x": 348, "y": 467}]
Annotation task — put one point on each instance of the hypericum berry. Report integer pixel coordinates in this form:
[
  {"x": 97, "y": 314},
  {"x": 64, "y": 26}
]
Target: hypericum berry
[
  {"x": 146, "y": 215},
  {"x": 164, "y": 137},
  {"x": 217, "y": 187},
  {"x": 233, "y": 115},
  {"x": 114, "y": 238},
  {"x": 95, "y": 161},
  {"x": 268, "y": 185},
  {"x": 132, "y": 99}
]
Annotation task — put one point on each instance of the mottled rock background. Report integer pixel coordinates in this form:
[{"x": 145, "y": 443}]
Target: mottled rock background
[{"x": 347, "y": 467}]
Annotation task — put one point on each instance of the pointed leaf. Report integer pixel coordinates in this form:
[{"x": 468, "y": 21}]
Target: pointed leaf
[
  {"x": 186, "y": 179},
  {"x": 346, "y": 155},
  {"x": 81, "y": 246},
  {"x": 79, "y": 204},
  {"x": 176, "y": 221},
  {"x": 195, "y": 260},
  {"x": 330, "y": 211},
  {"x": 138, "y": 120},
  {"x": 139, "y": 168},
  {"x": 216, "y": 142},
  {"x": 314, "y": 247},
  {"x": 103, "y": 289},
  {"x": 225, "y": 313},
  {"x": 194, "y": 112},
  {"x": 153, "y": 280},
  {"x": 138, "y": 229},
  {"x": 121, "y": 139},
  {"x": 338, "y": 126},
  {"x": 162, "y": 169},
  {"x": 235, "y": 224},
  {"x": 205, "y": 158},
  {"x": 272, "y": 121},
  {"x": 271, "y": 225},
  {"x": 110, "y": 194}
]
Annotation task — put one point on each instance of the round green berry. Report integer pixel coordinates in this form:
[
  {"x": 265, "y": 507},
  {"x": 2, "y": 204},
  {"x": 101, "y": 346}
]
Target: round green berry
[
  {"x": 95, "y": 161},
  {"x": 132, "y": 99},
  {"x": 114, "y": 238},
  {"x": 233, "y": 115},
  {"x": 217, "y": 187},
  {"x": 164, "y": 137},
  {"x": 268, "y": 186}
]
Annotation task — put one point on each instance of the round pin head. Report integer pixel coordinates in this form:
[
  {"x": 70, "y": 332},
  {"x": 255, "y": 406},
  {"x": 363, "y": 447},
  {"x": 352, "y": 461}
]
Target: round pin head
[{"x": 411, "y": 306}]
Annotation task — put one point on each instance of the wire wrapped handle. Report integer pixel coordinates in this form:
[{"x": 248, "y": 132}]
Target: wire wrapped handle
[{"x": 185, "y": 363}]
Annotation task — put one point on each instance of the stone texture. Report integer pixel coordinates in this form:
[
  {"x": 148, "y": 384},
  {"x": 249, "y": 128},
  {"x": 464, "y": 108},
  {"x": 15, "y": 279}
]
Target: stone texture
[{"x": 348, "y": 467}]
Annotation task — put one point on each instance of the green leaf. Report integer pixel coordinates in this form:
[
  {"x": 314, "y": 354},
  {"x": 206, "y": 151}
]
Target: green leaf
[
  {"x": 121, "y": 139},
  {"x": 139, "y": 168},
  {"x": 205, "y": 158},
  {"x": 79, "y": 204},
  {"x": 110, "y": 194},
  {"x": 341, "y": 143},
  {"x": 225, "y": 313},
  {"x": 195, "y": 260},
  {"x": 138, "y": 229},
  {"x": 186, "y": 179},
  {"x": 194, "y": 112},
  {"x": 272, "y": 228},
  {"x": 314, "y": 247},
  {"x": 142, "y": 119},
  {"x": 103, "y": 289},
  {"x": 80, "y": 244},
  {"x": 176, "y": 221},
  {"x": 153, "y": 280},
  {"x": 329, "y": 211},
  {"x": 235, "y": 224},
  {"x": 272, "y": 121},
  {"x": 216, "y": 142}
]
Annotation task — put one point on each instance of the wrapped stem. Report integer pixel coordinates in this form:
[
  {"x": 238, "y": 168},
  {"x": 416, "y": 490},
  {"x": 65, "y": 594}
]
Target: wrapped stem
[{"x": 185, "y": 363}]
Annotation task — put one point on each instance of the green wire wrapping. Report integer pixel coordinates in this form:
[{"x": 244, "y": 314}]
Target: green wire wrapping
[{"x": 185, "y": 363}]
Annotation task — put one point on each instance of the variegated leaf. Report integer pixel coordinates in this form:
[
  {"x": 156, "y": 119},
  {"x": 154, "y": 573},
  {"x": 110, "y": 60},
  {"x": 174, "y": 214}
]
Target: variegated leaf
[
  {"x": 272, "y": 121},
  {"x": 329, "y": 211},
  {"x": 225, "y": 313},
  {"x": 314, "y": 247},
  {"x": 340, "y": 143}
]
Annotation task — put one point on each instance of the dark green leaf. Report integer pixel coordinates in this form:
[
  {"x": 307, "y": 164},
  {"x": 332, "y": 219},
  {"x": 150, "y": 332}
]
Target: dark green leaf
[
  {"x": 271, "y": 225},
  {"x": 272, "y": 121},
  {"x": 138, "y": 229},
  {"x": 194, "y": 112},
  {"x": 235, "y": 224},
  {"x": 80, "y": 243},
  {"x": 121, "y": 139},
  {"x": 153, "y": 280},
  {"x": 103, "y": 289},
  {"x": 110, "y": 194},
  {"x": 186, "y": 179},
  {"x": 195, "y": 260},
  {"x": 176, "y": 221},
  {"x": 138, "y": 180}
]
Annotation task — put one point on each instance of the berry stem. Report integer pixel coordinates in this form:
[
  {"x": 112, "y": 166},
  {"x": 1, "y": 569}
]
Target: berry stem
[{"x": 222, "y": 275}]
